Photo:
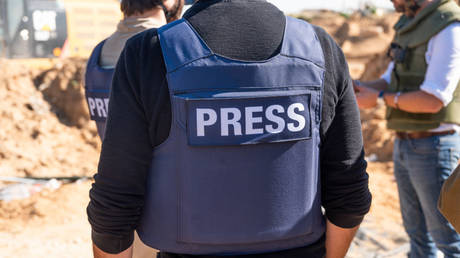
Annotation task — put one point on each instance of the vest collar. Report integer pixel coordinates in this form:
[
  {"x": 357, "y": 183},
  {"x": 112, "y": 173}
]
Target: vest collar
[
  {"x": 425, "y": 13},
  {"x": 135, "y": 25}
]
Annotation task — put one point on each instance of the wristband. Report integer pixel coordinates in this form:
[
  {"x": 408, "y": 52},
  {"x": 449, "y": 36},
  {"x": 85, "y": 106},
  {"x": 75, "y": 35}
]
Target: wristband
[
  {"x": 381, "y": 93},
  {"x": 396, "y": 99}
]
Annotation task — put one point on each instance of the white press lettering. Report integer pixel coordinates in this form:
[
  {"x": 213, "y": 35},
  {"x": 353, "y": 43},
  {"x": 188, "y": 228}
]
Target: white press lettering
[
  {"x": 201, "y": 122},
  {"x": 100, "y": 108},
  {"x": 106, "y": 103},
  {"x": 92, "y": 106},
  {"x": 294, "y": 116},
  {"x": 269, "y": 114},
  {"x": 226, "y": 121},
  {"x": 251, "y": 120}
]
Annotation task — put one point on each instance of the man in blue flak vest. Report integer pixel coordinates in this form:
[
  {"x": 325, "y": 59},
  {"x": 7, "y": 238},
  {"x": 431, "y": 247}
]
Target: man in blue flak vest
[
  {"x": 138, "y": 15},
  {"x": 227, "y": 132}
]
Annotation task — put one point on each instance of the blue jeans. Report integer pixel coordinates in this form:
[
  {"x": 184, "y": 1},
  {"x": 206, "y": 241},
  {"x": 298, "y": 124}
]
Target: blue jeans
[{"x": 421, "y": 167}]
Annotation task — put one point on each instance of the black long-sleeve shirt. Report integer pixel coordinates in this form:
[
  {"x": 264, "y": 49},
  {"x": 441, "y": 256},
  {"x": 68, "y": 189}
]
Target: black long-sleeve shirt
[{"x": 140, "y": 118}]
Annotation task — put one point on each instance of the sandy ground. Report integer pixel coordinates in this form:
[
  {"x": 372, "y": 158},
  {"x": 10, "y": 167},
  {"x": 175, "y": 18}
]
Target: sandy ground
[
  {"x": 51, "y": 224},
  {"x": 54, "y": 224}
]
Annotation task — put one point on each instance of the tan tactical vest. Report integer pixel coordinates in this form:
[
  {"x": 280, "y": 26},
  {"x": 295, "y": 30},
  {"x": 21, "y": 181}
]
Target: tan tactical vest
[{"x": 412, "y": 37}]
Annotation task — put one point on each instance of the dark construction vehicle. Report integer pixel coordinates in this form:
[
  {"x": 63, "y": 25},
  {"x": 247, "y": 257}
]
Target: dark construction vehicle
[
  {"x": 32, "y": 29},
  {"x": 55, "y": 28}
]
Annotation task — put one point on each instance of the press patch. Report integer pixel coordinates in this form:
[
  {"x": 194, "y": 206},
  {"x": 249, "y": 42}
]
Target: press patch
[
  {"x": 238, "y": 121},
  {"x": 98, "y": 105}
]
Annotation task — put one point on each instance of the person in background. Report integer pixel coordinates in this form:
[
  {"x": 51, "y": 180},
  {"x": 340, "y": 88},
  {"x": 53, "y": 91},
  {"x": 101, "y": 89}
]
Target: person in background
[
  {"x": 138, "y": 15},
  {"x": 227, "y": 133},
  {"x": 421, "y": 90}
]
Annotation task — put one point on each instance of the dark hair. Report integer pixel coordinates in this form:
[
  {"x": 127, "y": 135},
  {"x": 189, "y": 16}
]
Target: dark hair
[{"x": 133, "y": 7}]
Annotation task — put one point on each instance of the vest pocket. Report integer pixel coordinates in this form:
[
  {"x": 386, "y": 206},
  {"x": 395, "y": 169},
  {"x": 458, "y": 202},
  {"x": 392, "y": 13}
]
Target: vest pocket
[{"x": 254, "y": 194}]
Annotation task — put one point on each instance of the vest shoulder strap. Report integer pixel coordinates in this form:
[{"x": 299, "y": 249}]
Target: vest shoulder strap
[
  {"x": 180, "y": 44},
  {"x": 96, "y": 54},
  {"x": 97, "y": 76},
  {"x": 298, "y": 35}
]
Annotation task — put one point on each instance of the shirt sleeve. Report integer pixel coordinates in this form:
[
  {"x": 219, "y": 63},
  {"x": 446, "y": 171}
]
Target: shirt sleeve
[
  {"x": 345, "y": 191},
  {"x": 117, "y": 195},
  {"x": 443, "y": 58},
  {"x": 346, "y": 196},
  {"x": 387, "y": 75}
]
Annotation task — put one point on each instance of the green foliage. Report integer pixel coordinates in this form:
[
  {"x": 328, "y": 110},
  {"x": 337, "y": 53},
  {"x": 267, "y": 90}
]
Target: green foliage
[{"x": 345, "y": 15}]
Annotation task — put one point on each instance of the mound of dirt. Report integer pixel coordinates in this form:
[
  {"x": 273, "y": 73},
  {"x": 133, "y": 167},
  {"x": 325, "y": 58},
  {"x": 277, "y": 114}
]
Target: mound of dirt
[
  {"x": 378, "y": 140},
  {"x": 375, "y": 67},
  {"x": 328, "y": 20},
  {"x": 61, "y": 86},
  {"x": 34, "y": 141},
  {"x": 361, "y": 37}
]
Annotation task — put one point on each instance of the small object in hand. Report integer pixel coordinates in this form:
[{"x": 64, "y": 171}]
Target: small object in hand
[{"x": 396, "y": 99}]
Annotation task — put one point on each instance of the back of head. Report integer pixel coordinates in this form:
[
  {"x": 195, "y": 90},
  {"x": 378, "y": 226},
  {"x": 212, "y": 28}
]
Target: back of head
[
  {"x": 172, "y": 8},
  {"x": 413, "y": 6},
  {"x": 138, "y": 7}
]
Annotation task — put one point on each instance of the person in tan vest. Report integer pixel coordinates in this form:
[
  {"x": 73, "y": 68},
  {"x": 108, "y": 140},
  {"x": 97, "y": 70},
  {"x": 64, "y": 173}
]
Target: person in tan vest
[{"x": 421, "y": 90}]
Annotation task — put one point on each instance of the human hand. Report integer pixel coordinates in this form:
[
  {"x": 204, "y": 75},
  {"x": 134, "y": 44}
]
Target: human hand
[
  {"x": 366, "y": 97},
  {"x": 98, "y": 253}
]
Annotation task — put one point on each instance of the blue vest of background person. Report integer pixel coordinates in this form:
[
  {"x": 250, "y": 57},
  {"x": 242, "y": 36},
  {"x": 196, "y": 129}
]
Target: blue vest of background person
[
  {"x": 100, "y": 68},
  {"x": 239, "y": 173},
  {"x": 98, "y": 81}
]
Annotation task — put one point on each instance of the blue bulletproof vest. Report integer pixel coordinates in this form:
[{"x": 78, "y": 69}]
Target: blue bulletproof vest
[
  {"x": 98, "y": 82},
  {"x": 239, "y": 172}
]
